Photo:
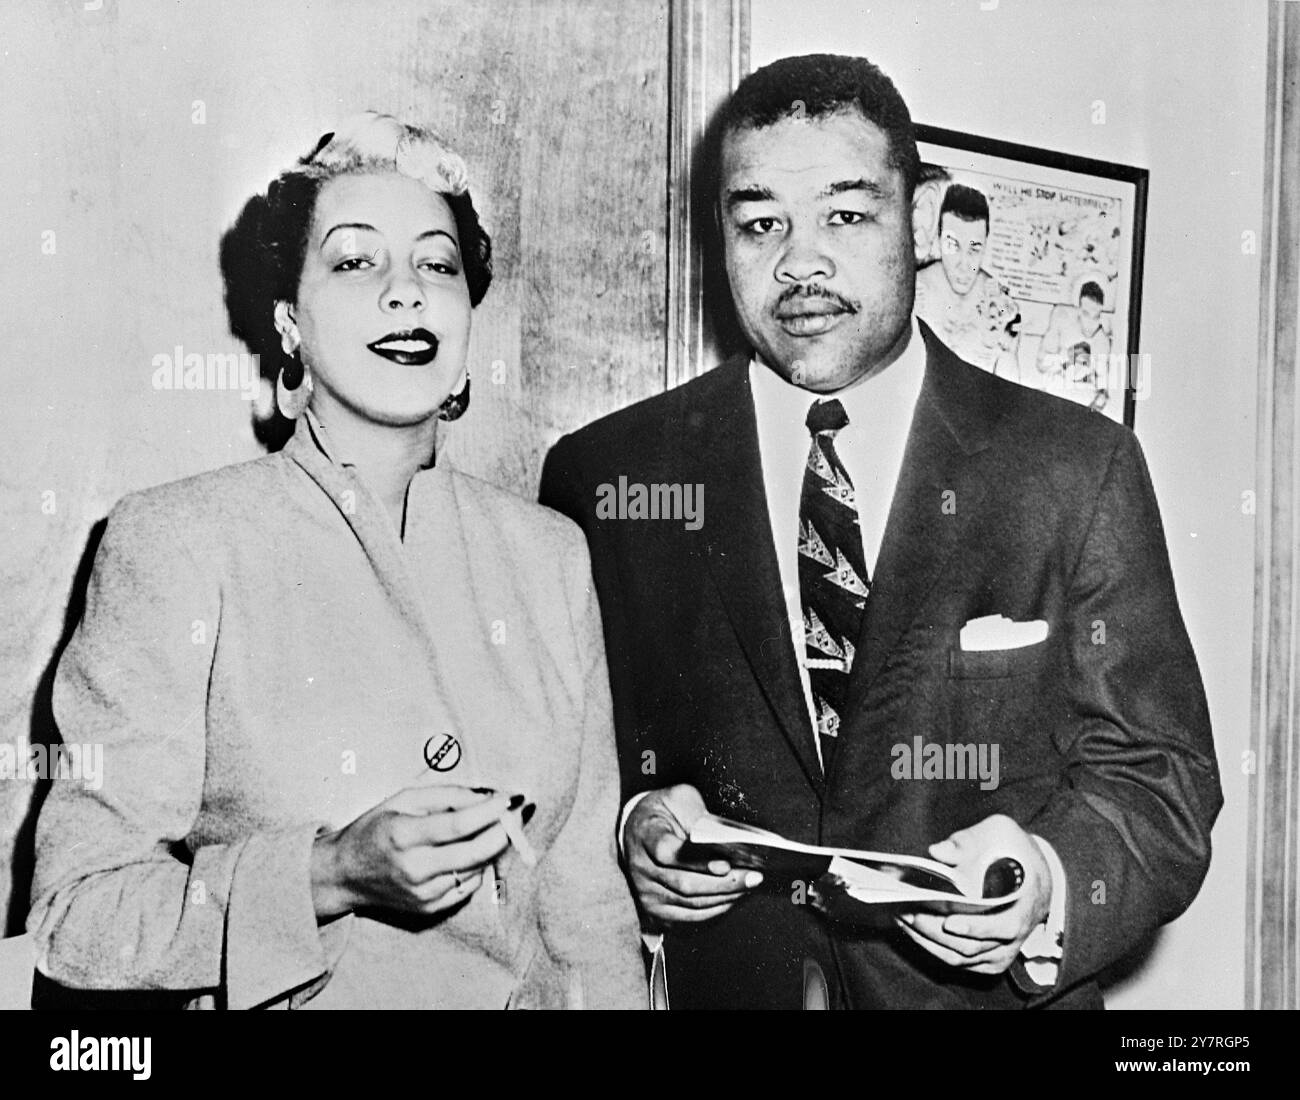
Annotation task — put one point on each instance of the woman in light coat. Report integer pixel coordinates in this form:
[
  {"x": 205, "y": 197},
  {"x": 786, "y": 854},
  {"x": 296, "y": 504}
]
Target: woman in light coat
[{"x": 355, "y": 717}]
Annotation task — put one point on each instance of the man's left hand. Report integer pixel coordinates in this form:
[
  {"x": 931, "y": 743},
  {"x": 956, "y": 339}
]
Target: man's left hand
[{"x": 985, "y": 943}]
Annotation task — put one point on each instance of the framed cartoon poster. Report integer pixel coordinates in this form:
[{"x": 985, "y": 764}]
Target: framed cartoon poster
[{"x": 1030, "y": 265}]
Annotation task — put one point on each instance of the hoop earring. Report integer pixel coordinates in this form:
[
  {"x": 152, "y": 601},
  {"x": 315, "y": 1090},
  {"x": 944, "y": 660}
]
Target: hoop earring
[
  {"x": 293, "y": 389},
  {"x": 453, "y": 408}
]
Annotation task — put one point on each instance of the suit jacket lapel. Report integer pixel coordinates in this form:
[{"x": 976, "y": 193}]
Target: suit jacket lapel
[
  {"x": 939, "y": 489},
  {"x": 723, "y": 436}
]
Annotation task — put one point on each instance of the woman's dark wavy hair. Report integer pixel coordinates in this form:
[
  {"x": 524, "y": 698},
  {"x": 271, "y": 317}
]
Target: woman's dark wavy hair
[{"x": 262, "y": 253}]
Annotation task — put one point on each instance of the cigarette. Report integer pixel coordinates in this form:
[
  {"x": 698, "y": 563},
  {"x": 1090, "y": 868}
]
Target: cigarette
[{"x": 512, "y": 822}]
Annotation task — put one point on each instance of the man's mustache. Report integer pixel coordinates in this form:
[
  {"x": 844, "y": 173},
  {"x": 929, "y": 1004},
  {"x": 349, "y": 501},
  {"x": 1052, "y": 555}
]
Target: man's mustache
[{"x": 806, "y": 291}]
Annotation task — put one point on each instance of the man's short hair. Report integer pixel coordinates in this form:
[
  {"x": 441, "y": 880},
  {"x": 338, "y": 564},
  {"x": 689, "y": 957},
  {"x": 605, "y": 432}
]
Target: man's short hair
[
  {"x": 1093, "y": 291},
  {"x": 965, "y": 203},
  {"x": 821, "y": 84}
]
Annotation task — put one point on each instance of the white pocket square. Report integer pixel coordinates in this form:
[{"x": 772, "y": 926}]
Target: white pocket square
[{"x": 999, "y": 632}]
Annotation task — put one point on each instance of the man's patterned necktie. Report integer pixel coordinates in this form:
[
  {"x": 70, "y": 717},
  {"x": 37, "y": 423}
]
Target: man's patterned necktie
[{"x": 833, "y": 581}]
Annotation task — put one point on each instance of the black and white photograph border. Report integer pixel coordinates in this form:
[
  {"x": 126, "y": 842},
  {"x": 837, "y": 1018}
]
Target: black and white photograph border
[{"x": 1137, "y": 158}]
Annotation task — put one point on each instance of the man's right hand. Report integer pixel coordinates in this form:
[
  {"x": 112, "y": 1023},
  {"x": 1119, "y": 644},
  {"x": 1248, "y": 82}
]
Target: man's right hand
[{"x": 672, "y": 890}]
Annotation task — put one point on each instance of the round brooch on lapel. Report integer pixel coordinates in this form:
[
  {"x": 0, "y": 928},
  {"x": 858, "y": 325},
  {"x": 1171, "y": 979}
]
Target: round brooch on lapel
[{"x": 442, "y": 752}]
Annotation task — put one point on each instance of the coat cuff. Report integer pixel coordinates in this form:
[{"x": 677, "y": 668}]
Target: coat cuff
[
  {"x": 1038, "y": 965},
  {"x": 628, "y": 807},
  {"x": 273, "y": 942}
]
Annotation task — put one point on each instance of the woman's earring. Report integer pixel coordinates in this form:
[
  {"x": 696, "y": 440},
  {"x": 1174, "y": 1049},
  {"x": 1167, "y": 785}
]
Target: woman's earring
[
  {"x": 453, "y": 408},
  {"x": 293, "y": 388}
]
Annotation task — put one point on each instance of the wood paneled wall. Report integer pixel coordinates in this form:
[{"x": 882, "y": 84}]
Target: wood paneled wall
[
  {"x": 133, "y": 133},
  {"x": 1273, "y": 762}
]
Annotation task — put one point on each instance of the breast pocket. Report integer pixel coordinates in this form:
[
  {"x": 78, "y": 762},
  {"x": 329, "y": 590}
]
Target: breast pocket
[{"x": 996, "y": 664}]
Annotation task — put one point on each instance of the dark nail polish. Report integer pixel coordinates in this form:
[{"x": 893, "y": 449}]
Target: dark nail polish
[
  {"x": 515, "y": 802},
  {"x": 483, "y": 790},
  {"x": 529, "y": 810}
]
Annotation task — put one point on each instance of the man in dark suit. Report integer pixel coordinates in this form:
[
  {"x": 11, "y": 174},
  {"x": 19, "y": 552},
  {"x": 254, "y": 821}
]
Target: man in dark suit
[{"x": 917, "y": 609}]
